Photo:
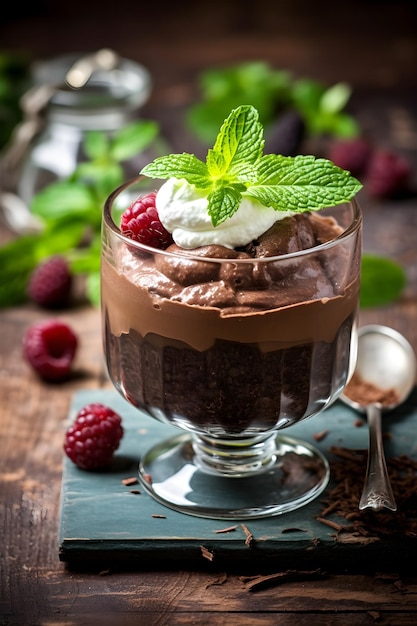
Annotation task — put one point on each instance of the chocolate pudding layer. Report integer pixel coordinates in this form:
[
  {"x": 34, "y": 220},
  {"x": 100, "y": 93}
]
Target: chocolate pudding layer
[{"x": 233, "y": 342}]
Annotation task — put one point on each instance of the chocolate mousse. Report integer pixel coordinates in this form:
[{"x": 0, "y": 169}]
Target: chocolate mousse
[{"x": 234, "y": 341}]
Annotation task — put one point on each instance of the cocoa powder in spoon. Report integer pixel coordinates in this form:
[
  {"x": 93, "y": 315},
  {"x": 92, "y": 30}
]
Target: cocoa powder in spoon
[{"x": 364, "y": 392}]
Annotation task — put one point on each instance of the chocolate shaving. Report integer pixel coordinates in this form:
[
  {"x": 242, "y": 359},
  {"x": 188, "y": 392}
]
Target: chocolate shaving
[
  {"x": 136, "y": 491},
  {"x": 225, "y": 530},
  {"x": 341, "y": 503},
  {"x": 400, "y": 586},
  {"x": 159, "y": 516},
  {"x": 320, "y": 436},
  {"x": 272, "y": 580},
  {"x": 249, "y": 537},
  {"x": 206, "y": 553},
  {"x": 329, "y": 522},
  {"x": 376, "y": 615},
  {"x": 130, "y": 481},
  {"x": 334, "y": 505}
]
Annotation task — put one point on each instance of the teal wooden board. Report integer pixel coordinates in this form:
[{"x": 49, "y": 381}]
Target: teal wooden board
[{"x": 103, "y": 521}]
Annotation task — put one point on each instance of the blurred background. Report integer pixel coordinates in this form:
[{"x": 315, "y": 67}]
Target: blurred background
[
  {"x": 319, "y": 73},
  {"x": 371, "y": 44},
  {"x": 324, "y": 38}
]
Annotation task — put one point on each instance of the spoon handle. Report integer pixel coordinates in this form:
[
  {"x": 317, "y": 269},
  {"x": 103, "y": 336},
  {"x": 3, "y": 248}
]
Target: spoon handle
[{"x": 377, "y": 492}]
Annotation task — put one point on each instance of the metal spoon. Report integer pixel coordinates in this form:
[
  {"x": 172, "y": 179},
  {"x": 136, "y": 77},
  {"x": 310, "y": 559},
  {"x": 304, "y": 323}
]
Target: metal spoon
[{"x": 386, "y": 361}]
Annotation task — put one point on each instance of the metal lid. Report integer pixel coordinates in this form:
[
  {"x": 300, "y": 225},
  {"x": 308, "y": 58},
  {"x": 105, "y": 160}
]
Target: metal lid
[{"x": 94, "y": 81}]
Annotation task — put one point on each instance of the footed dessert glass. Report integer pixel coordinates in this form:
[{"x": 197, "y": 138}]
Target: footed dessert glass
[{"x": 231, "y": 351}]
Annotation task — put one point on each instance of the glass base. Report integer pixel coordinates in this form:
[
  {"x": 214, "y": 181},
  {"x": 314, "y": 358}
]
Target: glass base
[{"x": 175, "y": 475}]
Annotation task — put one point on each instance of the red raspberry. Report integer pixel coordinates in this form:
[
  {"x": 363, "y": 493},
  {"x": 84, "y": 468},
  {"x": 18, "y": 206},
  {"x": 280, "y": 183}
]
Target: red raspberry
[
  {"x": 94, "y": 436},
  {"x": 49, "y": 347},
  {"x": 50, "y": 283},
  {"x": 141, "y": 223},
  {"x": 388, "y": 173},
  {"x": 350, "y": 154}
]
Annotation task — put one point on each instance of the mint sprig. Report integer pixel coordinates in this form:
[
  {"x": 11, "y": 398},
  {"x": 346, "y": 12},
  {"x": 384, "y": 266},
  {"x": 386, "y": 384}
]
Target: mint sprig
[{"x": 236, "y": 167}]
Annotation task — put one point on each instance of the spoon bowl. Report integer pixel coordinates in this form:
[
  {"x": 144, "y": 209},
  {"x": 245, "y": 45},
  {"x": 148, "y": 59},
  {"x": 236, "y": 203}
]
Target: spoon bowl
[{"x": 384, "y": 376}]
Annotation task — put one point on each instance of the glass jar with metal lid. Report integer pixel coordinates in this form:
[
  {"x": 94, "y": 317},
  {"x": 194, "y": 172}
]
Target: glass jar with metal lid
[
  {"x": 72, "y": 95},
  {"x": 91, "y": 92}
]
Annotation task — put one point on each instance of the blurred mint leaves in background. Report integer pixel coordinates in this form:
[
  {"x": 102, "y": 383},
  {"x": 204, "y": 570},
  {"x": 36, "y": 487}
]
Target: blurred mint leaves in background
[
  {"x": 323, "y": 112},
  {"x": 382, "y": 281},
  {"x": 70, "y": 210},
  {"x": 70, "y": 213},
  {"x": 271, "y": 92}
]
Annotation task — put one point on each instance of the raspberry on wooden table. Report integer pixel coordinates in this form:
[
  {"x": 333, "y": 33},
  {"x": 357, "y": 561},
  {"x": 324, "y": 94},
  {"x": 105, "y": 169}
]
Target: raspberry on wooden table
[
  {"x": 50, "y": 283},
  {"x": 388, "y": 173},
  {"x": 351, "y": 154},
  {"x": 49, "y": 347},
  {"x": 141, "y": 223},
  {"x": 93, "y": 437}
]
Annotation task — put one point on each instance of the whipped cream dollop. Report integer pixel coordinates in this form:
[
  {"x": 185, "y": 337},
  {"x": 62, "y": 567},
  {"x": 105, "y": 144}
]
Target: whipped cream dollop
[{"x": 182, "y": 209}]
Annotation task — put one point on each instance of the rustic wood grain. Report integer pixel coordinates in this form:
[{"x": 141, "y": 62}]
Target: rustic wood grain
[{"x": 377, "y": 52}]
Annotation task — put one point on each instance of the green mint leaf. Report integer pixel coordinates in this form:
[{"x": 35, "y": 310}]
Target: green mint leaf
[
  {"x": 86, "y": 259},
  {"x": 343, "y": 126},
  {"x": 238, "y": 146},
  {"x": 63, "y": 198},
  {"x": 103, "y": 177},
  {"x": 236, "y": 166},
  {"x": 302, "y": 183},
  {"x": 133, "y": 139},
  {"x": 223, "y": 89},
  {"x": 185, "y": 166},
  {"x": 322, "y": 108},
  {"x": 216, "y": 163},
  {"x": 17, "y": 259},
  {"x": 232, "y": 162},
  {"x": 96, "y": 144},
  {"x": 335, "y": 98},
  {"x": 223, "y": 203},
  {"x": 382, "y": 281},
  {"x": 244, "y": 172},
  {"x": 93, "y": 289},
  {"x": 240, "y": 140}
]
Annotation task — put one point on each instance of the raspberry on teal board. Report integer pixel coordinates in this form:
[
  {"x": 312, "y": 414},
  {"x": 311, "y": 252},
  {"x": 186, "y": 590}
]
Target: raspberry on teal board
[{"x": 93, "y": 437}]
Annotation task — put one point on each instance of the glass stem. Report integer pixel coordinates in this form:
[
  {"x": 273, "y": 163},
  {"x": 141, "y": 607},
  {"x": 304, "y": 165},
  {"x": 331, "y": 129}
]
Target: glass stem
[{"x": 235, "y": 457}]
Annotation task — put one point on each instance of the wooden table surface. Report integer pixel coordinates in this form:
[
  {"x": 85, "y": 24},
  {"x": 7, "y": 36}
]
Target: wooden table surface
[{"x": 373, "y": 46}]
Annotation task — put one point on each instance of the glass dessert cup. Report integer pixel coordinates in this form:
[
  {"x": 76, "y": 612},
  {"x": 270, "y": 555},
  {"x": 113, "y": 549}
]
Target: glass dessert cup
[{"x": 231, "y": 351}]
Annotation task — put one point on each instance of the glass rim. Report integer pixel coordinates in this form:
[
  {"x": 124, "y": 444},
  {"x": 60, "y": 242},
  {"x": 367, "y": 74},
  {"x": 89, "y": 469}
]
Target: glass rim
[{"x": 108, "y": 221}]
